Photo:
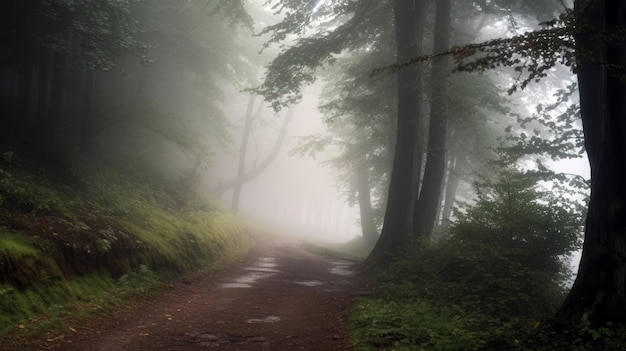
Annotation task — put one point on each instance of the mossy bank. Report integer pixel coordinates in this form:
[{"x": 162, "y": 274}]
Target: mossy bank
[{"x": 77, "y": 237}]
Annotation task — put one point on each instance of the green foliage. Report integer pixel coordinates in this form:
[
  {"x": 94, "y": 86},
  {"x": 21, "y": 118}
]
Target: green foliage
[
  {"x": 552, "y": 130},
  {"x": 15, "y": 245},
  {"x": 26, "y": 194},
  {"x": 501, "y": 269},
  {"x": 106, "y": 240},
  {"x": 608, "y": 337},
  {"x": 109, "y": 224},
  {"x": 338, "y": 26},
  {"x": 532, "y": 55},
  {"x": 514, "y": 217},
  {"x": 51, "y": 300},
  {"x": 93, "y": 34},
  {"x": 141, "y": 280},
  {"x": 418, "y": 325}
]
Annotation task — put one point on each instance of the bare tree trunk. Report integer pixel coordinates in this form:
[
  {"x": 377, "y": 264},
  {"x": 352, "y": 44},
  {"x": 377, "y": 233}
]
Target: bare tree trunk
[
  {"x": 430, "y": 195},
  {"x": 243, "y": 150}
]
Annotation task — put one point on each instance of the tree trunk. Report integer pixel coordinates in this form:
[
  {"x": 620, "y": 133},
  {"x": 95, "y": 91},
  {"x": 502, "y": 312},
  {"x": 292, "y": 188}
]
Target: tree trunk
[
  {"x": 88, "y": 131},
  {"x": 25, "y": 99},
  {"x": 368, "y": 227},
  {"x": 451, "y": 186},
  {"x": 398, "y": 223},
  {"x": 55, "y": 109},
  {"x": 243, "y": 150},
  {"x": 599, "y": 292},
  {"x": 223, "y": 187},
  {"x": 50, "y": 94},
  {"x": 44, "y": 79},
  {"x": 430, "y": 195}
]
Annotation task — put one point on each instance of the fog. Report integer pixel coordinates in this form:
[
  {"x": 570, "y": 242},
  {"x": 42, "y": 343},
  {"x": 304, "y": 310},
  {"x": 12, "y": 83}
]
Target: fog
[
  {"x": 168, "y": 92},
  {"x": 295, "y": 195},
  {"x": 306, "y": 197},
  {"x": 438, "y": 142}
]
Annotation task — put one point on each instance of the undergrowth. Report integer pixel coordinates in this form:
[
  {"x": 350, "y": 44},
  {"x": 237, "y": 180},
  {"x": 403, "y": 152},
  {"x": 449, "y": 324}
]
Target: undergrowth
[
  {"x": 492, "y": 283},
  {"x": 79, "y": 237}
]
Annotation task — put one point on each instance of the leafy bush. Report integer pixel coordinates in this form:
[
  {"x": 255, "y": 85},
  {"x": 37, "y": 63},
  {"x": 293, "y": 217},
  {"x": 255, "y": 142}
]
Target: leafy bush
[
  {"x": 500, "y": 270},
  {"x": 26, "y": 194},
  {"x": 141, "y": 280}
]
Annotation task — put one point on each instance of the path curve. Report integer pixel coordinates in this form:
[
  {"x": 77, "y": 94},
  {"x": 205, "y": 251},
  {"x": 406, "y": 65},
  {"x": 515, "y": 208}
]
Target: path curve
[{"x": 279, "y": 297}]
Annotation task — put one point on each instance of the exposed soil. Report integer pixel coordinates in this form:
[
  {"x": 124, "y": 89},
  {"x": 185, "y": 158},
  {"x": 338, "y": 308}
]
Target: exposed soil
[{"x": 279, "y": 297}]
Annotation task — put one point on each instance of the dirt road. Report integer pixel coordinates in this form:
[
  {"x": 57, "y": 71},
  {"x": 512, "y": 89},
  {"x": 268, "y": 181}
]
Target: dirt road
[{"x": 279, "y": 297}]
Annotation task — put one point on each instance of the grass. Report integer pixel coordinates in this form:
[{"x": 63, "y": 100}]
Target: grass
[
  {"x": 79, "y": 239},
  {"x": 16, "y": 245}
]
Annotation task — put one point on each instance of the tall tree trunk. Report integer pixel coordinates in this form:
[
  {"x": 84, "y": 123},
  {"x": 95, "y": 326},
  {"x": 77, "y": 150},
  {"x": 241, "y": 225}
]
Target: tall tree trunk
[
  {"x": 599, "y": 291},
  {"x": 430, "y": 195},
  {"x": 368, "y": 227},
  {"x": 243, "y": 150},
  {"x": 398, "y": 223}
]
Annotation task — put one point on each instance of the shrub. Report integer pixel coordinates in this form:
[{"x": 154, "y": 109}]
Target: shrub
[{"x": 499, "y": 271}]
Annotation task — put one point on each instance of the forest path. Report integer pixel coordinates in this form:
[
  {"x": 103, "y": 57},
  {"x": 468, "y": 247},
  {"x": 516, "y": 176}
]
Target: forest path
[{"x": 279, "y": 297}]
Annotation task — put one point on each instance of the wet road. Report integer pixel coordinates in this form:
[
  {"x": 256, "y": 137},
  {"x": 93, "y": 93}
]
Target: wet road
[{"x": 280, "y": 297}]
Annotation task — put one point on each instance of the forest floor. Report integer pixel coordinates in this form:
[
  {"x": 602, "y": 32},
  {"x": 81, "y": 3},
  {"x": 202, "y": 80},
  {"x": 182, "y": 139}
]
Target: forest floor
[{"x": 279, "y": 297}]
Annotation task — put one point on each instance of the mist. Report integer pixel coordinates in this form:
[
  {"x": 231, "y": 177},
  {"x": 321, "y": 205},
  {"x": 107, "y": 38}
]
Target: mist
[
  {"x": 296, "y": 195},
  {"x": 173, "y": 99},
  {"x": 275, "y": 154}
]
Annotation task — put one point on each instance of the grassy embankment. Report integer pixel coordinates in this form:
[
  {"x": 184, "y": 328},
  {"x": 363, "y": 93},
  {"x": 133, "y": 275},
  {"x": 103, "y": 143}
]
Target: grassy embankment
[{"x": 79, "y": 239}]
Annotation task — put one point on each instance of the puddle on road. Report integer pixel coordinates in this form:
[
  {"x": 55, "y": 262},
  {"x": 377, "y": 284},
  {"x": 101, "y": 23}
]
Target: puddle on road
[
  {"x": 341, "y": 270},
  {"x": 235, "y": 285},
  {"x": 266, "y": 262},
  {"x": 268, "y": 319},
  {"x": 310, "y": 283},
  {"x": 260, "y": 270}
]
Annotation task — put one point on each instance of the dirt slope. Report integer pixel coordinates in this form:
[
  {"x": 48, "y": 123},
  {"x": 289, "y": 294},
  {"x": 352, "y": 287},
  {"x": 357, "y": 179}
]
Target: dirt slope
[{"x": 279, "y": 297}]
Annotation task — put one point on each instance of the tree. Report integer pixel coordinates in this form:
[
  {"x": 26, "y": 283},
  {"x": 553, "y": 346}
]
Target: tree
[
  {"x": 244, "y": 176},
  {"x": 599, "y": 292},
  {"x": 243, "y": 151},
  {"x": 398, "y": 223},
  {"x": 351, "y": 30},
  {"x": 427, "y": 205},
  {"x": 129, "y": 80},
  {"x": 360, "y": 117},
  {"x": 361, "y": 29},
  {"x": 362, "y": 166},
  {"x": 48, "y": 40}
]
